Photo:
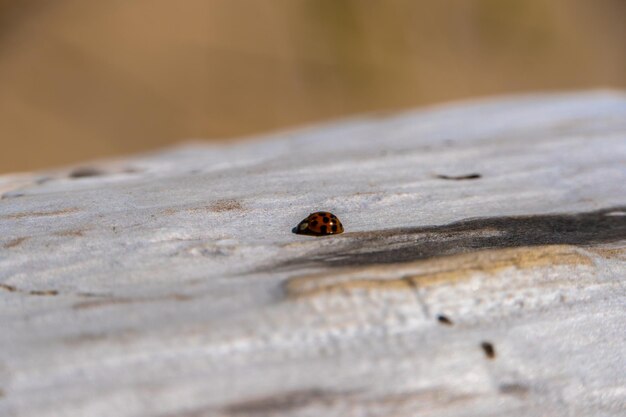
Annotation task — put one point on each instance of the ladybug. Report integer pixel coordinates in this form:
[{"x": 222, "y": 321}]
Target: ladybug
[{"x": 320, "y": 223}]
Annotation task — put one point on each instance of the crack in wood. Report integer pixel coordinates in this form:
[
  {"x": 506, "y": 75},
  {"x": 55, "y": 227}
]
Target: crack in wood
[{"x": 417, "y": 243}]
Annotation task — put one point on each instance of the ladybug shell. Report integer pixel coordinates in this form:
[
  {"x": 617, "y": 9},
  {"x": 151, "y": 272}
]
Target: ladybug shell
[{"x": 320, "y": 223}]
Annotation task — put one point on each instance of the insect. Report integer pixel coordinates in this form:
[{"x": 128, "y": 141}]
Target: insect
[{"x": 320, "y": 223}]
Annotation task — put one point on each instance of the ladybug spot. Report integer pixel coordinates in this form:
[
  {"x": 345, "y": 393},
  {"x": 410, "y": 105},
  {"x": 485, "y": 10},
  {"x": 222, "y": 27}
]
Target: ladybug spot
[
  {"x": 334, "y": 228},
  {"x": 314, "y": 223},
  {"x": 323, "y": 229},
  {"x": 326, "y": 219}
]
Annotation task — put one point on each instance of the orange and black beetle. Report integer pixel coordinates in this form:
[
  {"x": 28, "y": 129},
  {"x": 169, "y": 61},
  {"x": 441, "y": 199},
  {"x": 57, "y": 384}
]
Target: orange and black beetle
[{"x": 320, "y": 223}]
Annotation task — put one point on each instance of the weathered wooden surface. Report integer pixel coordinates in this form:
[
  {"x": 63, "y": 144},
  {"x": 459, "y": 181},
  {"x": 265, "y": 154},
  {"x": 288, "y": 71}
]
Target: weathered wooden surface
[{"x": 171, "y": 284}]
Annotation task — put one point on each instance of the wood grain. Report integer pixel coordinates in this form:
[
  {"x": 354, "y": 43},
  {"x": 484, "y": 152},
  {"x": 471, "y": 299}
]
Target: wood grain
[{"x": 170, "y": 284}]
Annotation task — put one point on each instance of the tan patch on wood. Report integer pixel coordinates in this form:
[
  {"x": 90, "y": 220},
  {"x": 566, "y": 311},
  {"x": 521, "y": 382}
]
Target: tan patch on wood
[
  {"x": 619, "y": 253},
  {"x": 70, "y": 233},
  {"x": 12, "y": 288},
  {"x": 100, "y": 303},
  {"x": 217, "y": 206},
  {"x": 446, "y": 269},
  {"x": 105, "y": 302},
  {"x": 43, "y": 292},
  {"x": 42, "y": 213},
  {"x": 425, "y": 396},
  {"x": 15, "y": 242},
  {"x": 225, "y": 205},
  {"x": 8, "y": 287}
]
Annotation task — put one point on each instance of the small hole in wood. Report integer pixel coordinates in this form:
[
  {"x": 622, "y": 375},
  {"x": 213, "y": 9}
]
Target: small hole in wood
[
  {"x": 444, "y": 320},
  {"x": 84, "y": 172},
  {"x": 473, "y": 176},
  {"x": 488, "y": 349}
]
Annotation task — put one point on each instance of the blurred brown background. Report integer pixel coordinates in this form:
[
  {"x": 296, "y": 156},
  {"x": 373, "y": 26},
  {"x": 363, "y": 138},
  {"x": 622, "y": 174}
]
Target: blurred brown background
[{"x": 81, "y": 79}]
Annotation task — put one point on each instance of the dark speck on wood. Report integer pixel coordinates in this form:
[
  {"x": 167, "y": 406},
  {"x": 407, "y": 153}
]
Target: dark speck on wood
[
  {"x": 459, "y": 177},
  {"x": 84, "y": 172},
  {"x": 488, "y": 349}
]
